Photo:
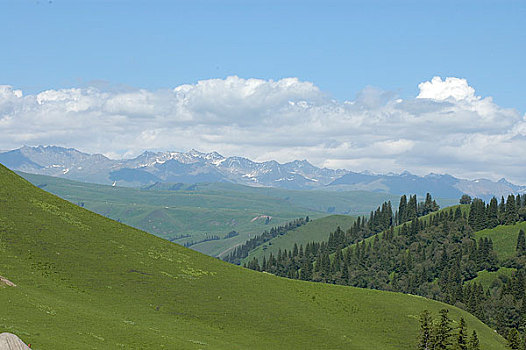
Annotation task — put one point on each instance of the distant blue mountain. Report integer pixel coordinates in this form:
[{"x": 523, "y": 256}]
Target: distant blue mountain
[
  {"x": 132, "y": 176},
  {"x": 16, "y": 160},
  {"x": 445, "y": 185},
  {"x": 196, "y": 167}
]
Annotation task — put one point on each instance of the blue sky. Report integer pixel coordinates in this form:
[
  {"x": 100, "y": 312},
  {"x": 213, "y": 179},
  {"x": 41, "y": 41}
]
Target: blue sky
[
  {"x": 341, "y": 46},
  {"x": 423, "y": 86}
]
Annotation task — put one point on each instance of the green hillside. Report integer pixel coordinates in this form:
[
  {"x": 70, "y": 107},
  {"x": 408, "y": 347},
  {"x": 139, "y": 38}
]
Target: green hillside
[
  {"x": 192, "y": 213},
  {"x": 183, "y": 214},
  {"x": 486, "y": 278},
  {"x": 504, "y": 238},
  {"x": 329, "y": 202},
  {"x": 315, "y": 231},
  {"x": 86, "y": 282}
]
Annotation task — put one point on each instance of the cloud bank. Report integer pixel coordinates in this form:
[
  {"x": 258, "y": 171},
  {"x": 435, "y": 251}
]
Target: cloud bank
[{"x": 445, "y": 128}]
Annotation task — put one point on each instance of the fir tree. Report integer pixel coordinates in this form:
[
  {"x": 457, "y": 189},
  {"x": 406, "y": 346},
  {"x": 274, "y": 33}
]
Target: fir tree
[
  {"x": 514, "y": 339},
  {"x": 425, "y": 337},
  {"x": 477, "y": 215},
  {"x": 462, "y": 341},
  {"x": 521, "y": 243},
  {"x": 412, "y": 208},
  {"x": 306, "y": 271},
  {"x": 429, "y": 205},
  {"x": 511, "y": 215},
  {"x": 492, "y": 213},
  {"x": 474, "y": 343},
  {"x": 465, "y": 199},
  {"x": 402, "y": 210},
  {"x": 442, "y": 331},
  {"x": 502, "y": 209}
]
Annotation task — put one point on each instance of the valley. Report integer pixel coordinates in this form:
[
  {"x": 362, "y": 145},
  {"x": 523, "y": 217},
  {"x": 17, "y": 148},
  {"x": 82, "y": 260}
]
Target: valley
[{"x": 190, "y": 213}]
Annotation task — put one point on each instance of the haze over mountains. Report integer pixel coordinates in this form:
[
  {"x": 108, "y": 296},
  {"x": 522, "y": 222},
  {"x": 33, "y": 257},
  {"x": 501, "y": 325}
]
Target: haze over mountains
[{"x": 196, "y": 167}]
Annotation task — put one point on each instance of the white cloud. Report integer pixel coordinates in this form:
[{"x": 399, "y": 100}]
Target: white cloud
[
  {"x": 446, "y": 128},
  {"x": 439, "y": 89}
]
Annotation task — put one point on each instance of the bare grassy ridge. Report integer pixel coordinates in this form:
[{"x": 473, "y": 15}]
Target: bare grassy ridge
[{"x": 84, "y": 281}]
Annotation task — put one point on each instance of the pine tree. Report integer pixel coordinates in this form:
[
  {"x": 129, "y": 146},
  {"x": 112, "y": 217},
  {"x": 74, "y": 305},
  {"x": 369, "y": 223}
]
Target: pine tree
[
  {"x": 428, "y": 204},
  {"x": 514, "y": 339},
  {"x": 412, "y": 208},
  {"x": 465, "y": 199},
  {"x": 306, "y": 271},
  {"x": 325, "y": 267},
  {"x": 492, "y": 213},
  {"x": 519, "y": 281},
  {"x": 474, "y": 343},
  {"x": 402, "y": 210},
  {"x": 295, "y": 250},
  {"x": 521, "y": 243},
  {"x": 345, "y": 273},
  {"x": 477, "y": 215},
  {"x": 425, "y": 340},
  {"x": 462, "y": 341},
  {"x": 502, "y": 210},
  {"x": 442, "y": 338},
  {"x": 511, "y": 211}
]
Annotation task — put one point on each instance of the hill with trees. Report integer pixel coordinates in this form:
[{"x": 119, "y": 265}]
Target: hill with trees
[
  {"x": 316, "y": 230},
  {"x": 76, "y": 277},
  {"x": 419, "y": 250}
]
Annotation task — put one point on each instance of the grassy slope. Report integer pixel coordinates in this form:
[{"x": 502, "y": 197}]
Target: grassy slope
[
  {"x": 486, "y": 278},
  {"x": 87, "y": 282},
  {"x": 504, "y": 238},
  {"x": 197, "y": 211},
  {"x": 206, "y": 209},
  {"x": 317, "y": 230}
]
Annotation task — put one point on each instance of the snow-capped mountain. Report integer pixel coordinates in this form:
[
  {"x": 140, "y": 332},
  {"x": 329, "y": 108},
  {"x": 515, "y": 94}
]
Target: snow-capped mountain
[
  {"x": 151, "y": 167},
  {"x": 195, "y": 167}
]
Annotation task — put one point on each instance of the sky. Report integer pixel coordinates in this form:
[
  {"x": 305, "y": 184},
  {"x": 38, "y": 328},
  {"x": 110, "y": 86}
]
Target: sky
[{"x": 424, "y": 86}]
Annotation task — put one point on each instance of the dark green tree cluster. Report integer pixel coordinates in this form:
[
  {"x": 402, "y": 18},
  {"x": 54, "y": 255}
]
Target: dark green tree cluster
[
  {"x": 407, "y": 258},
  {"x": 242, "y": 251},
  {"x": 411, "y": 209},
  {"x": 482, "y": 216},
  {"x": 521, "y": 244},
  {"x": 514, "y": 340},
  {"x": 439, "y": 333},
  {"x": 206, "y": 239},
  {"x": 231, "y": 234},
  {"x": 379, "y": 220},
  {"x": 434, "y": 256},
  {"x": 382, "y": 218},
  {"x": 465, "y": 199}
]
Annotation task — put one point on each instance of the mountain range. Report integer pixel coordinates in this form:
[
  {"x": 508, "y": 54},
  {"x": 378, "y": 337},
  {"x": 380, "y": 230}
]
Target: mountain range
[{"x": 198, "y": 167}]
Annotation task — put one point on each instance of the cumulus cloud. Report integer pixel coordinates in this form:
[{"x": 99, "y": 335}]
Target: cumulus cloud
[
  {"x": 445, "y": 128},
  {"x": 451, "y": 87}
]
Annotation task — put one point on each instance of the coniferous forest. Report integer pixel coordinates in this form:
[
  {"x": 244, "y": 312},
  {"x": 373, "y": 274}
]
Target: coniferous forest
[
  {"x": 242, "y": 251},
  {"x": 435, "y": 256},
  {"x": 439, "y": 333}
]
